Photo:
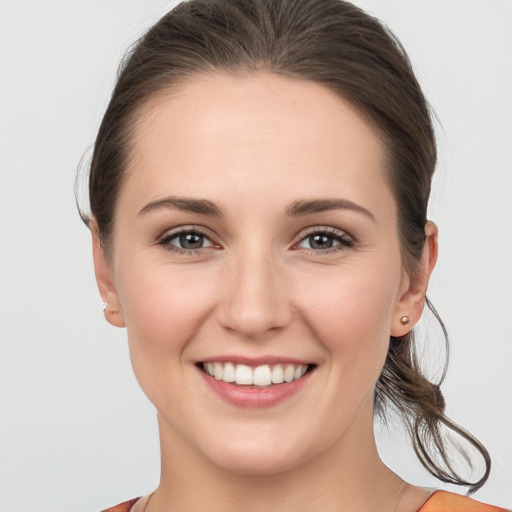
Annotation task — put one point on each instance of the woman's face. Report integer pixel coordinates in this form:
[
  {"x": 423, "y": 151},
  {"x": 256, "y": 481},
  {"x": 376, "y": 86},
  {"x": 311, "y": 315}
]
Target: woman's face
[{"x": 256, "y": 237}]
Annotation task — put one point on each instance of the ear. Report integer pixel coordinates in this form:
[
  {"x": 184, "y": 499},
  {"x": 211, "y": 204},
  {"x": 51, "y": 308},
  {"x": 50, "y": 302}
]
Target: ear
[
  {"x": 104, "y": 279},
  {"x": 414, "y": 289}
]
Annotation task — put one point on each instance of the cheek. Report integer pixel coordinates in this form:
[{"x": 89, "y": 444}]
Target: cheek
[
  {"x": 166, "y": 299},
  {"x": 350, "y": 312},
  {"x": 164, "y": 307}
]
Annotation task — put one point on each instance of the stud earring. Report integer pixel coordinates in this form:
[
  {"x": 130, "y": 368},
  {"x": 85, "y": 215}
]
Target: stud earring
[
  {"x": 405, "y": 320},
  {"x": 104, "y": 306}
]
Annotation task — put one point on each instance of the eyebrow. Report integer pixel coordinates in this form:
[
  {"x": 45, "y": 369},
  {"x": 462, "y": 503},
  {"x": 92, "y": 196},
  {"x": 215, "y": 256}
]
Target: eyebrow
[
  {"x": 296, "y": 209},
  {"x": 201, "y": 206},
  {"x": 306, "y": 207}
]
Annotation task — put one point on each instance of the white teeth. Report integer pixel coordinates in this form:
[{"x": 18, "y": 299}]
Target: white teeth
[
  {"x": 289, "y": 373},
  {"x": 218, "y": 371},
  {"x": 229, "y": 373},
  {"x": 209, "y": 369},
  {"x": 263, "y": 375},
  {"x": 299, "y": 371},
  {"x": 243, "y": 374},
  {"x": 277, "y": 374}
]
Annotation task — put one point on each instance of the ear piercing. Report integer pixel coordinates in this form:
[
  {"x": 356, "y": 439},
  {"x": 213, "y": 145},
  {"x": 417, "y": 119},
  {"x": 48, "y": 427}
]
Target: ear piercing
[
  {"x": 104, "y": 306},
  {"x": 405, "y": 320}
]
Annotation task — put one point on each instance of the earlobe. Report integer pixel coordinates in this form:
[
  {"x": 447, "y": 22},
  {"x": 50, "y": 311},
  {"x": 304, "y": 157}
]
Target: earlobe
[
  {"x": 111, "y": 305},
  {"x": 409, "y": 308}
]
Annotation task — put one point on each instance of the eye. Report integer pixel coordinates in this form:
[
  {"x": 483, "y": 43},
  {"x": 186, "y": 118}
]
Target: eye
[
  {"x": 186, "y": 240},
  {"x": 325, "y": 239}
]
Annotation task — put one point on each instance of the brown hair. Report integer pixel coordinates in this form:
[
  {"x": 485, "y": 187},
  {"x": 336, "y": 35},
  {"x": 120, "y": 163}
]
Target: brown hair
[{"x": 338, "y": 45}]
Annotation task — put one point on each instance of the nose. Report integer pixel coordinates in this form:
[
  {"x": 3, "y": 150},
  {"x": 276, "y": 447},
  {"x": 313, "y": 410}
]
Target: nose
[{"x": 255, "y": 301}]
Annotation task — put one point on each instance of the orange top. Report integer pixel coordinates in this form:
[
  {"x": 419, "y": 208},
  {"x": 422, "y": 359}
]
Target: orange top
[
  {"x": 440, "y": 501},
  {"x": 122, "y": 507},
  {"x": 443, "y": 501}
]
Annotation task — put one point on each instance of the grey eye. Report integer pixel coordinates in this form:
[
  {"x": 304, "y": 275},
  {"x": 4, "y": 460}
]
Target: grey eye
[
  {"x": 191, "y": 241},
  {"x": 321, "y": 241},
  {"x": 187, "y": 240},
  {"x": 325, "y": 239}
]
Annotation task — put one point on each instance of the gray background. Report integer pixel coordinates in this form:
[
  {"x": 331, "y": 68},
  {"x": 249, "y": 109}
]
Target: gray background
[{"x": 76, "y": 433}]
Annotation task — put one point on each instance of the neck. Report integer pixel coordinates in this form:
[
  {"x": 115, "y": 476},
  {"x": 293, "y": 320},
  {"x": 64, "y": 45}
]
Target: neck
[{"x": 348, "y": 477}]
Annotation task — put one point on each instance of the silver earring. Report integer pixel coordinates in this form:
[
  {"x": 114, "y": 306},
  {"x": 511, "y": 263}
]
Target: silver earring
[{"x": 104, "y": 306}]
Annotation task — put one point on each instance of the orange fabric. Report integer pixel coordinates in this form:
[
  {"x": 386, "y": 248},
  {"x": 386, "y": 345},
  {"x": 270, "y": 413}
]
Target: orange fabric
[
  {"x": 442, "y": 501},
  {"x": 123, "y": 507}
]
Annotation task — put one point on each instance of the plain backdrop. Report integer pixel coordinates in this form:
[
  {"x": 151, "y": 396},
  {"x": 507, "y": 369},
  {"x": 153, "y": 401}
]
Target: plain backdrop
[{"x": 76, "y": 433}]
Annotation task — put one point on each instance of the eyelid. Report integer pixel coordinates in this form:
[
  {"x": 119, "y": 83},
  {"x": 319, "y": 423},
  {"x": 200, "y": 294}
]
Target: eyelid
[
  {"x": 346, "y": 240},
  {"x": 169, "y": 234}
]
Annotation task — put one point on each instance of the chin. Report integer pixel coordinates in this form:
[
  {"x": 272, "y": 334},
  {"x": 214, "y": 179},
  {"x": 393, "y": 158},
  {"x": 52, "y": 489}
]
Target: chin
[
  {"x": 255, "y": 462},
  {"x": 255, "y": 456}
]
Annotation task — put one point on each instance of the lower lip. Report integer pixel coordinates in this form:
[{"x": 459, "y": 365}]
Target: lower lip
[{"x": 253, "y": 397}]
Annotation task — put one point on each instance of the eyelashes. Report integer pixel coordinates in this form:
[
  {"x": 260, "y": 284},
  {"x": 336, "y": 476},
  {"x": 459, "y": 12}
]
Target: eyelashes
[
  {"x": 187, "y": 241},
  {"x": 316, "y": 240},
  {"x": 325, "y": 240}
]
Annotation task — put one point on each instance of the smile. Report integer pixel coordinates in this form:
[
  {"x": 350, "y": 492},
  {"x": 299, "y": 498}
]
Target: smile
[{"x": 262, "y": 376}]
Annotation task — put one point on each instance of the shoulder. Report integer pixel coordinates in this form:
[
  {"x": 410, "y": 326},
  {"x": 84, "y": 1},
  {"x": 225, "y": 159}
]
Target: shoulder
[
  {"x": 122, "y": 507},
  {"x": 443, "y": 501}
]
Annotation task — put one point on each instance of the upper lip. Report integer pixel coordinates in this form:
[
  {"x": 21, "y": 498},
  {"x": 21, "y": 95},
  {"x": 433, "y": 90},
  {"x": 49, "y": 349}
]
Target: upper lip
[{"x": 255, "y": 361}]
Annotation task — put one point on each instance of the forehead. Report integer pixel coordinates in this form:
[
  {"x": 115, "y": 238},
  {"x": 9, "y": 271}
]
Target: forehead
[{"x": 254, "y": 134}]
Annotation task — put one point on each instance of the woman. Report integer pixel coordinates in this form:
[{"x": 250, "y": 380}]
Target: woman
[{"x": 258, "y": 196}]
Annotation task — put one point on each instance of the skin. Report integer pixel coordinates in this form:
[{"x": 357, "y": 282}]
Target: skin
[{"x": 253, "y": 145}]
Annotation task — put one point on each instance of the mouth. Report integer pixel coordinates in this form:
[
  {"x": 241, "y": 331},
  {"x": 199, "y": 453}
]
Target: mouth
[{"x": 262, "y": 376}]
